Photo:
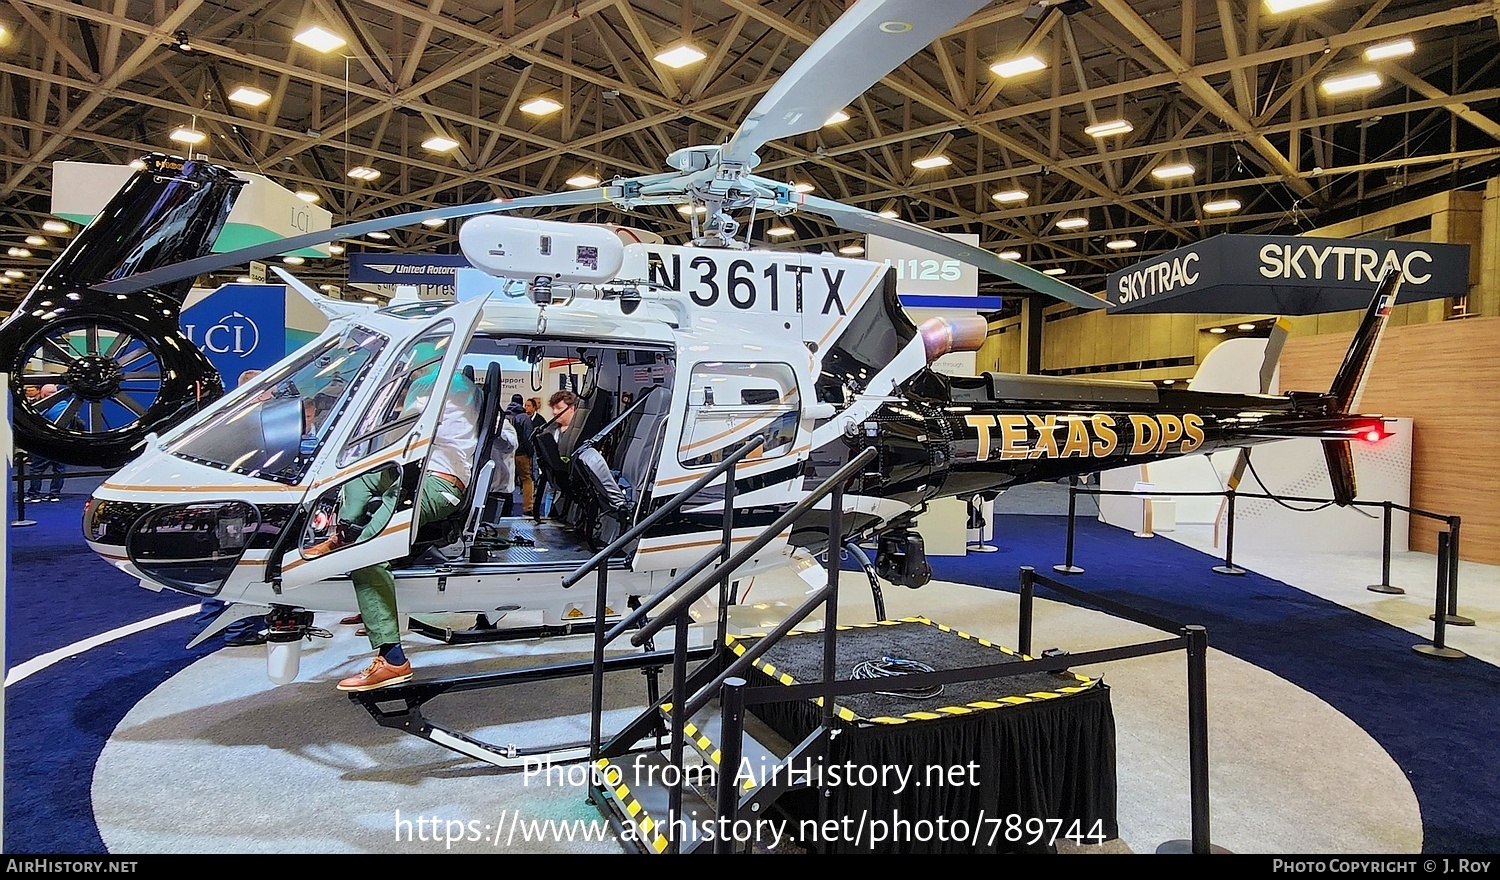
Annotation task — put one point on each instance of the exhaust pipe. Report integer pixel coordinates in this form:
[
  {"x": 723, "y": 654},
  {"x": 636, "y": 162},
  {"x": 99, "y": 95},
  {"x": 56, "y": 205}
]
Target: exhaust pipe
[{"x": 942, "y": 336}]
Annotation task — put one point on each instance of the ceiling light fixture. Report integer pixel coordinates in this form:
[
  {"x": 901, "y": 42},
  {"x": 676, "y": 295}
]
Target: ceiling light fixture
[
  {"x": 380, "y": 236},
  {"x": 439, "y": 144},
  {"x": 838, "y": 118},
  {"x": 781, "y": 231},
  {"x": 1221, "y": 206},
  {"x": 369, "y": 299},
  {"x": 1071, "y": 223},
  {"x": 335, "y": 249},
  {"x": 1244, "y": 326},
  {"x": 190, "y": 136},
  {"x": 1109, "y": 129},
  {"x": 802, "y": 187},
  {"x": 293, "y": 260},
  {"x": 363, "y": 172},
  {"x": 889, "y": 213},
  {"x": 583, "y": 180},
  {"x": 14, "y": 273},
  {"x": 317, "y": 39},
  {"x": 180, "y": 42},
  {"x": 1174, "y": 171},
  {"x": 244, "y": 279},
  {"x": 1387, "y": 51},
  {"x": 137, "y": 164},
  {"x": 937, "y": 160},
  {"x": 56, "y": 226},
  {"x": 36, "y": 240},
  {"x": 308, "y": 196},
  {"x": 1055, "y": 270},
  {"x": 19, "y": 252},
  {"x": 687, "y": 210},
  {"x": 1121, "y": 244},
  {"x": 681, "y": 55},
  {"x": 1018, "y": 66},
  {"x": 1011, "y": 196},
  {"x": 1351, "y": 83},
  {"x": 433, "y": 222},
  {"x": 852, "y": 250},
  {"x": 1009, "y": 255},
  {"x": 1217, "y": 330},
  {"x": 249, "y": 96},
  {"x": 540, "y": 107},
  {"x": 1276, "y": 7}
]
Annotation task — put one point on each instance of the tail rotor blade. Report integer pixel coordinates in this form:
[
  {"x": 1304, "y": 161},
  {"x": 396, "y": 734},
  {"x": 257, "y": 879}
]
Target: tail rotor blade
[
  {"x": 215, "y": 262},
  {"x": 860, "y": 220},
  {"x": 1274, "y": 345}
]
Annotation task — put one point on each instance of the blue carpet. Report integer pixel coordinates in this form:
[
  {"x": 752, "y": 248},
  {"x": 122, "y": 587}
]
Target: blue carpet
[
  {"x": 58, "y": 720},
  {"x": 1435, "y": 718}
]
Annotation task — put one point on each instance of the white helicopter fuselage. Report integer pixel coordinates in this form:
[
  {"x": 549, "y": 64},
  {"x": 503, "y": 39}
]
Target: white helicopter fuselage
[{"x": 736, "y": 338}]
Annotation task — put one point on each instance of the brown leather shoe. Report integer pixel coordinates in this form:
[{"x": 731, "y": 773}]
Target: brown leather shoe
[
  {"x": 377, "y": 675},
  {"x": 352, "y": 620}
]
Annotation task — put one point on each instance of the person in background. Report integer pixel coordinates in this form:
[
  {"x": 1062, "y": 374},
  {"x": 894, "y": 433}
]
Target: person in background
[
  {"x": 502, "y": 489},
  {"x": 41, "y": 466},
  {"x": 520, "y": 419},
  {"x": 533, "y": 407}
]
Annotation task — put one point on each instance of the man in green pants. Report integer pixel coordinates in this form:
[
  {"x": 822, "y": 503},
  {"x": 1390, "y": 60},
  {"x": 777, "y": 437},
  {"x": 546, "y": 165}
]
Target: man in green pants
[{"x": 449, "y": 467}]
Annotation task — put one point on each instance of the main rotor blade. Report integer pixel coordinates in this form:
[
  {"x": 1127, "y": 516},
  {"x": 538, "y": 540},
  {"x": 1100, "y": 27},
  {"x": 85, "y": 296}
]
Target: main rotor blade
[
  {"x": 867, "y": 42},
  {"x": 870, "y": 223},
  {"x": 215, "y": 262}
]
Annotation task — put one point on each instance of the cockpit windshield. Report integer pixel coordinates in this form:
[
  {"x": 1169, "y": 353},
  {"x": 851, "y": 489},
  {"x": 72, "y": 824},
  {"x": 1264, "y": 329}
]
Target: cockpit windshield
[{"x": 277, "y": 426}]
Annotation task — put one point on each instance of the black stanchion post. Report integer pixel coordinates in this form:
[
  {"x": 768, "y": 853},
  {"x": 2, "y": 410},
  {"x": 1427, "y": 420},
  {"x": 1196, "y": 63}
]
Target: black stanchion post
[
  {"x": 1454, "y": 618},
  {"x": 1197, "y": 681},
  {"x": 1439, "y": 648},
  {"x": 679, "y": 704},
  {"x": 732, "y": 734},
  {"x": 1385, "y": 557},
  {"x": 1028, "y": 590},
  {"x": 1229, "y": 567},
  {"x": 22, "y": 459},
  {"x": 596, "y": 685},
  {"x": 1067, "y": 566}
]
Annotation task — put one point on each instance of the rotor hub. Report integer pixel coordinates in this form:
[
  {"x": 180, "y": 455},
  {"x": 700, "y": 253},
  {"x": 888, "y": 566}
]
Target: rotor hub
[{"x": 94, "y": 377}]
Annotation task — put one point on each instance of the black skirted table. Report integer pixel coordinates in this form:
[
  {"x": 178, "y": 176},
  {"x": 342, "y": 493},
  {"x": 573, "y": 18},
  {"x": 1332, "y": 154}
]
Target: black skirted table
[{"x": 1013, "y": 764}]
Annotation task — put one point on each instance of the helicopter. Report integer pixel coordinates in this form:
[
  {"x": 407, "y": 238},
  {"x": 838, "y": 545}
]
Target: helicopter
[{"x": 678, "y": 354}]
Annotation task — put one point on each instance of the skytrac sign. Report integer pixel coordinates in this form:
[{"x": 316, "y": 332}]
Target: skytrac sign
[{"x": 1285, "y": 275}]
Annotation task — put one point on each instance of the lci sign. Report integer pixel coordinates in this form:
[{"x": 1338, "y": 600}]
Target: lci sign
[
  {"x": 240, "y": 327},
  {"x": 1285, "y": 275}
]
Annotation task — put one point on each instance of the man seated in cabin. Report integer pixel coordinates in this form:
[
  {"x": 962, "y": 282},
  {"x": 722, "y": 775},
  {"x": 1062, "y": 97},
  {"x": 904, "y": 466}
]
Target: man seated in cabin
[
  {"x": 548, "y": 445},
  {"x": 449, "y": 468}
]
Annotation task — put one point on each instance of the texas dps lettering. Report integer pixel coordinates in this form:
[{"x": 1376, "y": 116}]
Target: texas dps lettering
[{"x": 1018, "y": 436}]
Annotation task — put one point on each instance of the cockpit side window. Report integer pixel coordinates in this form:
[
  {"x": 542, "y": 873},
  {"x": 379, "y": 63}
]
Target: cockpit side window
[
  {"x": 731, "y": 402},
  {"x": 276, "y": 427},
  {"x": 401, "y": 396}
]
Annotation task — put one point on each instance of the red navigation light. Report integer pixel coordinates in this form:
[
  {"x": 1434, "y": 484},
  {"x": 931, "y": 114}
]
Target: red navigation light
[{"x": 1373, "y": 436}]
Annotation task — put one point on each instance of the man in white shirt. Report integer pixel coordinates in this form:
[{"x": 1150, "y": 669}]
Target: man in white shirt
[{"x": 449, "y": 468}]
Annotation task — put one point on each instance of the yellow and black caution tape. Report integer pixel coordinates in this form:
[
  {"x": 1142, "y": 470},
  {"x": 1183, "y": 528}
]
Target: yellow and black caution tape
[
  {"x": 650, "y": 829},
  {"x": 1084, "y": 682}
]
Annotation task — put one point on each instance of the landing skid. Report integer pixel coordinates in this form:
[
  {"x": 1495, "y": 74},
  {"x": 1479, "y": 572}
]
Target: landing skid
[
  {"x": 399, "y": 707},
  {"x": 477, "y": 635}
]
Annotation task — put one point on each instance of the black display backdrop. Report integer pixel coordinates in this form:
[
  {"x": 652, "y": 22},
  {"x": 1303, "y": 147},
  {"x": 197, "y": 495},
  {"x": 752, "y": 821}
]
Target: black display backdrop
[{"x": 1019, "y": 776}]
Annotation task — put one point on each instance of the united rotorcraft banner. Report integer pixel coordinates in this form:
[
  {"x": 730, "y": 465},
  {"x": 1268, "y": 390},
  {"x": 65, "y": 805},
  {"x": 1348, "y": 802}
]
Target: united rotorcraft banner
[
  {"x": 418, "y": 269},
  {"x": 1285, "y": 275}
]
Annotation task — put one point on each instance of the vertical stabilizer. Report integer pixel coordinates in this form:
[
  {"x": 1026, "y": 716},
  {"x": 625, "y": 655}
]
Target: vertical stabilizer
[{"x": 1349, "y": 384}]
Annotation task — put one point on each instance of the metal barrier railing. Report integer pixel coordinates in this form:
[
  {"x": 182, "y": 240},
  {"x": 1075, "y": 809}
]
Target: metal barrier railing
[
  {"x": 1447, "y": 554},
  {"x": 736, "y": 695}
]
